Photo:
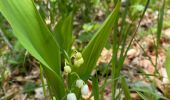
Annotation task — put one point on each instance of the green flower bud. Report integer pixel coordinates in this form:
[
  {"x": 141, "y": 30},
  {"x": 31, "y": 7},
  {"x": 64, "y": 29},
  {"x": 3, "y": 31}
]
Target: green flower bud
[
  {"x": 78, "y": 62},
  {"x": 67, "y": 69},
  {"x": 78, "y": 55}
]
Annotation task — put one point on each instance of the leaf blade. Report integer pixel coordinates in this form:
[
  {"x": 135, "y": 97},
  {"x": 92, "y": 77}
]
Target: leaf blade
[
  {"x": 125, "y": 89},
  {"x": 63, "y": 32},
  {"x": 95, "y": 88},
  {"x": 93, "y": 49},
  {"x": 33, "y": 34}
]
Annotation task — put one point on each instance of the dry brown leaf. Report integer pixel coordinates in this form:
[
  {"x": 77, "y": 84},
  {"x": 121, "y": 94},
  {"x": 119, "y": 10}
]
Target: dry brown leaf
[
  {"x": 132, "y": 53},
  {"x": 165, "y": 88},
  {"x": 167, "y": 32},
  {"x": 106, "y": 56}
]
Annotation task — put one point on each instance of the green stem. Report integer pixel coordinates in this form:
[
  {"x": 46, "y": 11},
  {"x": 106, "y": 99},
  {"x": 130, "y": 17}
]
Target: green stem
[
  {"x": 42, "y": 80},
  {"x": 5, "y": 39}
]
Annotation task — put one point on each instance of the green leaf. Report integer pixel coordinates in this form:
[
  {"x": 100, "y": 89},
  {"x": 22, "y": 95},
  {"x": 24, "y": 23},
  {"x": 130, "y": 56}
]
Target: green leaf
[
  {"x": 55, "y": 84},
  {"x": 159, "y": 30},
  {"x": 63, "y": 32},
  {"x": 160, "y": 21},
  {"x": 31, "y": 31},
  {"x": 63, "y": 7},
  {"x": 33, "y": 34},
  {"x": 142, "y": 96},
  {"x": 125, "y": 89},
  {"x": 95, "y": 88},
  {"x": 85, "y": 36},
  {"x": 29, "y": 87},
  {"x": 167, "y": 63},
  {"x": 149, "y": 92},
  {"x": 94, "y": 48}
]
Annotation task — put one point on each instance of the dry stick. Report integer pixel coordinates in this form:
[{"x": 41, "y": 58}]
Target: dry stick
[
  {"x": 150, "y": 61},
  {"x": 5, "y": 39},
  {"x": 155, "y": 45},
  {"x": 154, "y": 41},
  {"x": 144, "y": 52},
  {"x": 137, "y": 26},
  {"x": 146, "y": 55}
]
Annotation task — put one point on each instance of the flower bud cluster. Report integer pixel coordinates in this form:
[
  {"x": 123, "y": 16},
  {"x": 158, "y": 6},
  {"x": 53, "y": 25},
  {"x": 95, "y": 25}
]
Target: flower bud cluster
[
  {"x": 78, "y": 59},
  {"x": 84, "y": 87},
  {"x": 84, "y": 90}
]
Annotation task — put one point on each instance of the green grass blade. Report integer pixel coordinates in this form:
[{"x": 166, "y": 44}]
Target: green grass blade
[
  {"x": 125, "y": 89},
  {"x": 121, "y": 60},
  {"x": 141, "y": 95},
  {"x": 149, "y": 92},
  {"x": 33, "y": 34},
  {"x": 160, "y": 21},
  {"x": 94, "y": 48},
  {"x": 95, "y": 88},
  {"x": 167, "y": 63},
  {"x": 159, "y": 30}
]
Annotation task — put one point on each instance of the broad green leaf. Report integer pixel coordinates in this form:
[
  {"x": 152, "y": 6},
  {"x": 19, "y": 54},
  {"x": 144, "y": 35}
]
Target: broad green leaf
[
  {"x": 31, "y": 31},
  {"x": 55, "y": 84},
  {"x": 63, "y": 32},
  {"x": 95, "y": 46},
  {"x": 33, "y": 34}
]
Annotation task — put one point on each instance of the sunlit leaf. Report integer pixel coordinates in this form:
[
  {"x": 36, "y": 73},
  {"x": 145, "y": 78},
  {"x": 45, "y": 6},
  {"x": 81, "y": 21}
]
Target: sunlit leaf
[
  {"x": 33, "y": 34},
  {"x": 63, "y": 32},
  {"x": 94, "y": 48}
]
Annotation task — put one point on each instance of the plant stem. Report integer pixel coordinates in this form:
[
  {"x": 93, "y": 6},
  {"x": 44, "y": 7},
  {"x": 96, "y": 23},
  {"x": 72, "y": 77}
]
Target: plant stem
[{"x": 5, "y": 39}]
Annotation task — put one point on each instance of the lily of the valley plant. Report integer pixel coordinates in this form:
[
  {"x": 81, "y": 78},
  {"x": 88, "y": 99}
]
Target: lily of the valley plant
[{"x": 52, "y": 48}]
